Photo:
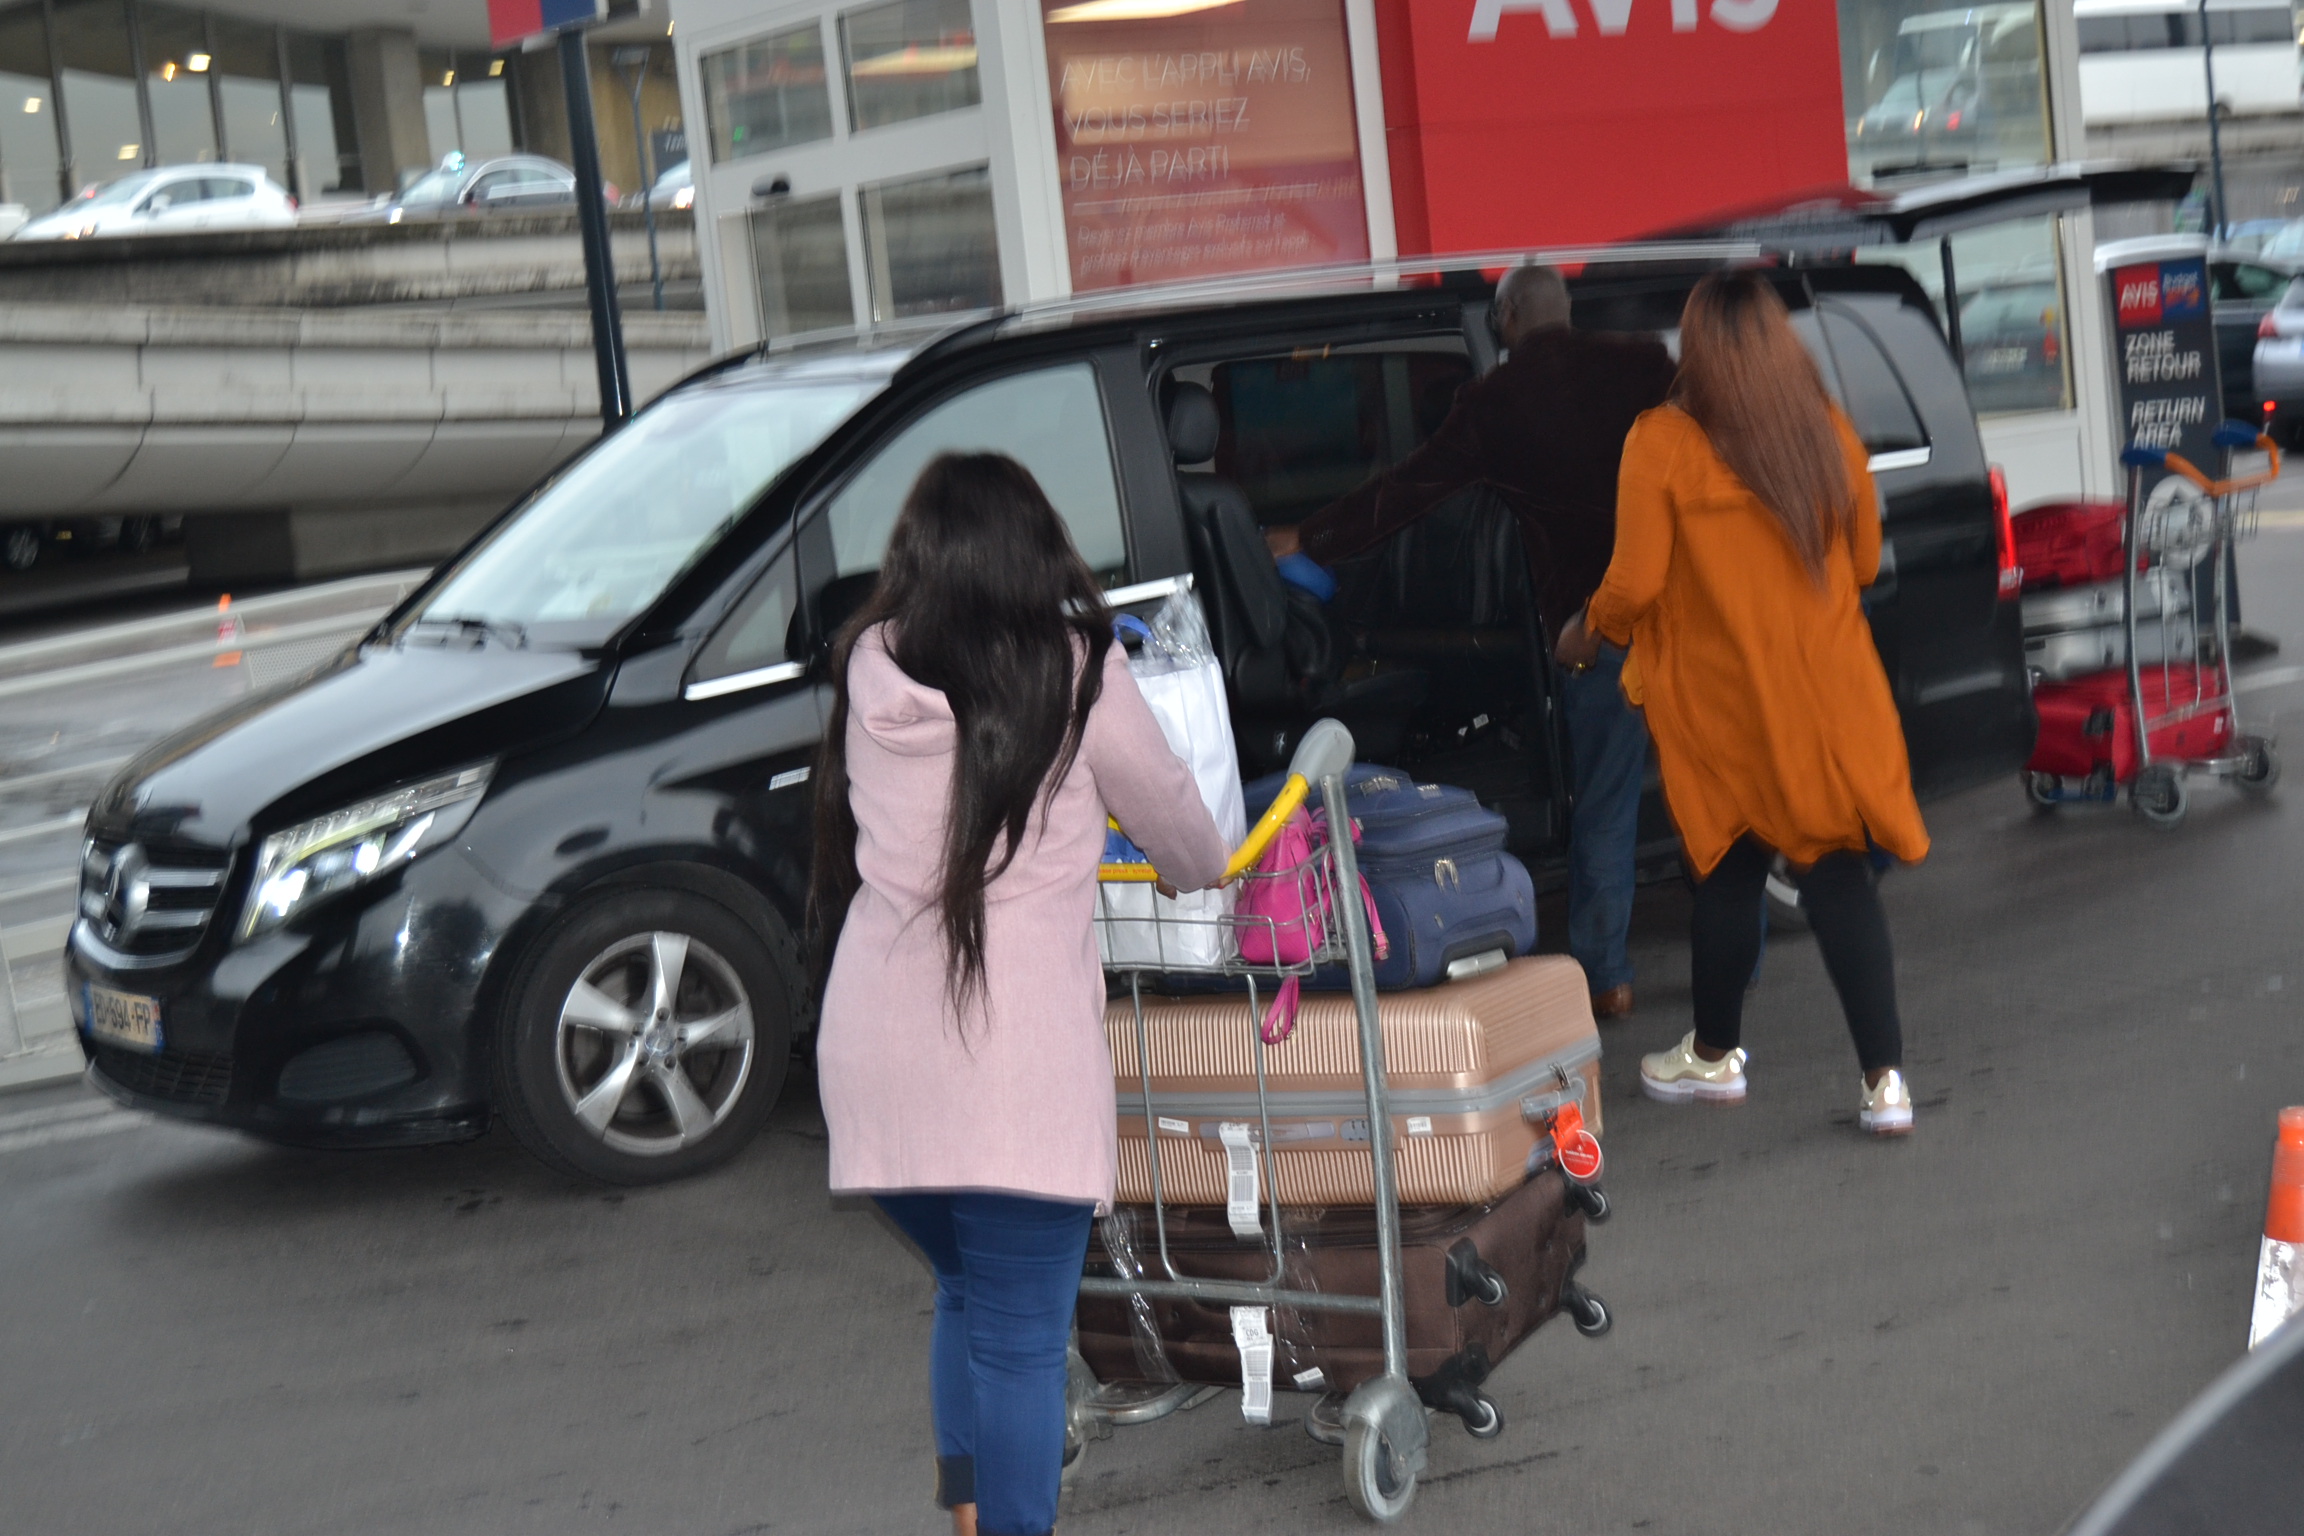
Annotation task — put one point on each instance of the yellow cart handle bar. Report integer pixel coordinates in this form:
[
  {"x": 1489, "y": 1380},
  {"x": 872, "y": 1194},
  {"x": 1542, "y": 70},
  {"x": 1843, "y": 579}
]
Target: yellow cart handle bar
[{"x": 1325, "y": 749}]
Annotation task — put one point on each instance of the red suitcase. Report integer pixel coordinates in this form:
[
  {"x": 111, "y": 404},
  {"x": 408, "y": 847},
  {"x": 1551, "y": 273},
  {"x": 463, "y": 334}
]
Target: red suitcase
[
  {"x": 2069, "y": 543},
  {"x": 2090, "y": 722}
]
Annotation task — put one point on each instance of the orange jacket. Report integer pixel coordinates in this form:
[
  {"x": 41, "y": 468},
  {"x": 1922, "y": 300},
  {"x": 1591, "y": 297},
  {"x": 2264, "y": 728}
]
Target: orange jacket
[{"x": 1769, "y": 707}]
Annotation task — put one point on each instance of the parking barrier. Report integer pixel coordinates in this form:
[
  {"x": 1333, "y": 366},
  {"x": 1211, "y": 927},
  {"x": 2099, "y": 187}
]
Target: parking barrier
[{"x": 2280, "y": 1264}]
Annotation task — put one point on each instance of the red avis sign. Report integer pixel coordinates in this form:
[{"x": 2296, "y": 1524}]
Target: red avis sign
[
  {"x": 1532, "y": 122},
  {"x": 2138, "y": 291}
]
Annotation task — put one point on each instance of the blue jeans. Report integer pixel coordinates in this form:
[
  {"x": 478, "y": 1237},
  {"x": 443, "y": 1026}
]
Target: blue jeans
[
  {"x": 1007, "y": 1280},
  {"x": 1609, "y": 745}
]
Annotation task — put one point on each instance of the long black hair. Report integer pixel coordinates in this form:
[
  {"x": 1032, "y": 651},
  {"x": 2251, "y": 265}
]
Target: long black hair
[{"x": 986, "y": 600}]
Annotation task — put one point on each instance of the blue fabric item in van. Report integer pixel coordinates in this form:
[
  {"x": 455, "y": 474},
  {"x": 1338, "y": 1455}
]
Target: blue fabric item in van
[
  {"x": 1434, "y": 859},
  {"x": 1305, "y": 572}
]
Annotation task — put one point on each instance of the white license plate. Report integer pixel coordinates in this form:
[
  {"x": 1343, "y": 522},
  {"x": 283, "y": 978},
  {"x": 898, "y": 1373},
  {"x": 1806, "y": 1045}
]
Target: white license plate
[{"x": 127, "y": 1019}]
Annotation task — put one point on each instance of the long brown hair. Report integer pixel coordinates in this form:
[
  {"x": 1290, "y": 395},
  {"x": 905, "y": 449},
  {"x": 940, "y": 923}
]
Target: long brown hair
[
  {"x": 986, "y": 600},
  {"x": 1755, "y": 391}
]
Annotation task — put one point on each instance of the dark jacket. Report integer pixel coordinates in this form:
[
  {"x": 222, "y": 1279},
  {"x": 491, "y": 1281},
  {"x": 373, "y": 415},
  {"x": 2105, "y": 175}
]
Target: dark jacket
[{"x": 1547, "y": 430}]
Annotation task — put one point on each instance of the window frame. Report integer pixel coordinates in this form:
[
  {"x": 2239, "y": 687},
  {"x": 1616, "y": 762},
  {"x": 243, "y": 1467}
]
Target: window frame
[
  {"x": 697, "y": 686},
  {"x": 851, "y": 123},
  {"x": 834, "y": 110},
  {"x": 819, "y": 564}
]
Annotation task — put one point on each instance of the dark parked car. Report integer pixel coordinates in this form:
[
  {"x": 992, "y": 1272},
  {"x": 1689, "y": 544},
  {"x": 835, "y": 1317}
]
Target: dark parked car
[
  {"x": 536, "y": 847},
  {"x": 2242, "y": 292}
]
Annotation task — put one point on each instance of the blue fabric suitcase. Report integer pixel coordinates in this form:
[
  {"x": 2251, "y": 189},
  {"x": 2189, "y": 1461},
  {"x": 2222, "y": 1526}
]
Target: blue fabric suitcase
[{"x": 1433, "y": 856}]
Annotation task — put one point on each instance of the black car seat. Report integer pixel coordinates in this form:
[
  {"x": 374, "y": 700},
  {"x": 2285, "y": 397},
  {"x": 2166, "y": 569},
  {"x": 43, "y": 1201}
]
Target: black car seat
[{"x": 1281, "y": 660}]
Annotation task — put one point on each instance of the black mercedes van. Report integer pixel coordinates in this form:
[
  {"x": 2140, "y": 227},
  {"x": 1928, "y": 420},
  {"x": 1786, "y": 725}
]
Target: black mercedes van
[{"x": 536, "y": 845}]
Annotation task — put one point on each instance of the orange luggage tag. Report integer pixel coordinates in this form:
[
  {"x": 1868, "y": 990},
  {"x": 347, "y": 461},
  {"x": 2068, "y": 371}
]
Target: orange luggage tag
[{"x": 1576, "y": 1148}]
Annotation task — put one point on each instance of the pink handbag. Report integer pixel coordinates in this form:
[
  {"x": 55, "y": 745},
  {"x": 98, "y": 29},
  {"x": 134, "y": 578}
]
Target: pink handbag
[{"x": 1287, "y": 907}]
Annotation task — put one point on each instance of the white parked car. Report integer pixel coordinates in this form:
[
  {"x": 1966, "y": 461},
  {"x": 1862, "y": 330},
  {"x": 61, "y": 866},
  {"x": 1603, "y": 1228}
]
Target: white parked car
[{"x": 174, "y": 200}]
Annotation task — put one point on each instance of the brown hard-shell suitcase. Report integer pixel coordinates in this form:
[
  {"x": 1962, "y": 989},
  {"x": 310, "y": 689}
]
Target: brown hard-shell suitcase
[
  {"x": 1476, "y": 1280},
  {"x": 1475, "y": 1068}
]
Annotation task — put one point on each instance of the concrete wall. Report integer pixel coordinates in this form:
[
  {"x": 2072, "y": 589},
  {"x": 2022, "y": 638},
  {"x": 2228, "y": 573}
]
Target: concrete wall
[
  {"x": 330, "y": 265},
  {"x": 119, "y": 409}
]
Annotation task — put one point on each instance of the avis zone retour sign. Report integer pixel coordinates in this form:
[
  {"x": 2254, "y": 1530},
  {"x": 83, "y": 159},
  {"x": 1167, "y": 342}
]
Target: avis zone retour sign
[
  {"x": 2169, "y": 393},
  {"x": 1519, "y": 122}
]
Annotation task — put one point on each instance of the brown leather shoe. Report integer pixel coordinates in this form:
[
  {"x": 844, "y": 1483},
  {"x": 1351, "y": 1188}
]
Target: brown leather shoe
[{"x": 1614, "y": 1003}]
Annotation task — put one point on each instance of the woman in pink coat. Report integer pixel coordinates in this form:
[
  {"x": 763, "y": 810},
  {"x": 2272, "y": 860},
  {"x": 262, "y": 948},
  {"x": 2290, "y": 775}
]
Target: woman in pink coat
[{"x": 983, "y": 728}]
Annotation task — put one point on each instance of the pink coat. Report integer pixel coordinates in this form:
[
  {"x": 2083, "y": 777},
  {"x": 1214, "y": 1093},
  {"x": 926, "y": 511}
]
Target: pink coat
[{"x": 1022, "y": 1105}]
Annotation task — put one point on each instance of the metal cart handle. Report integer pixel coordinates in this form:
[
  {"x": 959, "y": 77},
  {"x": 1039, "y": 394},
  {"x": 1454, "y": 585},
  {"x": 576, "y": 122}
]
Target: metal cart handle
[
  {"x": 2138, "y": 457},
  {"x": 1326, "y": 749}
]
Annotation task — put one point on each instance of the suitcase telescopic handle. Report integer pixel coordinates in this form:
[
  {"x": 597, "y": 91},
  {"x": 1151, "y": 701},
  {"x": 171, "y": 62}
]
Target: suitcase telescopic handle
[{"x": 1326, "y": 749}]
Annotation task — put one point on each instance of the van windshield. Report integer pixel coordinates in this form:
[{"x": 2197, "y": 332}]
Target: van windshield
[{"x": 605, "y": 539}]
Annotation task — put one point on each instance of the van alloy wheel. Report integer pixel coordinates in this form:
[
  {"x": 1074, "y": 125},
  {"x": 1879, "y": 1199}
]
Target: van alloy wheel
[
  {"x": 654, "y": 1043},
  {"x": 646, "y": 1035}
]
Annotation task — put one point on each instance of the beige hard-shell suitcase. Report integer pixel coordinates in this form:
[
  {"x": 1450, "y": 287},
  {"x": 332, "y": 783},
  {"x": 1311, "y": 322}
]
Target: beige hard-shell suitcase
[{"x": 1477, "y": 1069}]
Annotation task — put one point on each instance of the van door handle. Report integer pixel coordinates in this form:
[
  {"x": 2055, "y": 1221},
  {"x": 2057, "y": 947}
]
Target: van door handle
[{"x": 1883, "y": 585}]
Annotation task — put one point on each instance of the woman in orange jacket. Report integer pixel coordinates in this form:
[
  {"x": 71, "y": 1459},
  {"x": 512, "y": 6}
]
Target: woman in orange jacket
[{"x": 1746, "y": 526}]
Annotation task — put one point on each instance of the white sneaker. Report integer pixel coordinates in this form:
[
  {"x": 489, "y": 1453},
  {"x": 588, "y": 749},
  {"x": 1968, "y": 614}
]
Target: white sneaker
[
  {"x": 1679, "y": 1074},
  {"x": 1886, "y": 1109}
]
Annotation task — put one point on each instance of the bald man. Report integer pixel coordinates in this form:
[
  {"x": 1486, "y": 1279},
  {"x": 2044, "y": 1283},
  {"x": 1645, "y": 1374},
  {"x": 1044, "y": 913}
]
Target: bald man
[{"x": 1546, "y": 430}]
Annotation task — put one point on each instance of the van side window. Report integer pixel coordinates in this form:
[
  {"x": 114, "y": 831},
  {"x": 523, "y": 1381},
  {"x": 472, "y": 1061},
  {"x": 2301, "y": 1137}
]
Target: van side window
[
  {"x": 1051, "y": 421},
  {"x": 1874, "y": 397},
  {"x": 1300, "y": 432},
  {"x": 755, "y": 633}
]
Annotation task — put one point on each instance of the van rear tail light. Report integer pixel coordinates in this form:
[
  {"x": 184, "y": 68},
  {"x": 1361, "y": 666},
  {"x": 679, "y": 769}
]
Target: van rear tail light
[
  {"x": 2011, "y": 574},
  {"x": 2267, "y": 328}
]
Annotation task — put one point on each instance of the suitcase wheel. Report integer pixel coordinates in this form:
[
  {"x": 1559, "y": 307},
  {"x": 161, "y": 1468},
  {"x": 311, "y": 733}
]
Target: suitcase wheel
[
  {"x": 1588, "y": 1312},
  {"x": 2158, "y": 797},
  {"x": 1592, "y": 1200},
  {"x": 1483, "y": 1421}
]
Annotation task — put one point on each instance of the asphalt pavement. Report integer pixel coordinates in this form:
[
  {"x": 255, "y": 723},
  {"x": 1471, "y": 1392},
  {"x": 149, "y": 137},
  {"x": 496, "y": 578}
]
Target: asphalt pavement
[{"x": 1966, "y": 1332}]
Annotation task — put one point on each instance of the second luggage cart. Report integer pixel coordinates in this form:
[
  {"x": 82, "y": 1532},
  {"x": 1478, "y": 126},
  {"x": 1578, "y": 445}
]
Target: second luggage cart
[{"x": 1384, "y": 1429}]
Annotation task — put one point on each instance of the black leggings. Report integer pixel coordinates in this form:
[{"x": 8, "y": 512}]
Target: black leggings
[{"x": 1851, "y": 930}]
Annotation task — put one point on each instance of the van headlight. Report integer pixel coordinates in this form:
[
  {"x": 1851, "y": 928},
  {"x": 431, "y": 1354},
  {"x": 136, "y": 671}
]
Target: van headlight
[{"x": 314, "y": 860}]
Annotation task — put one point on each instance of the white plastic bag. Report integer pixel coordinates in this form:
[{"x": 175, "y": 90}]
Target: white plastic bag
[{"x": 1183, "y": 681}]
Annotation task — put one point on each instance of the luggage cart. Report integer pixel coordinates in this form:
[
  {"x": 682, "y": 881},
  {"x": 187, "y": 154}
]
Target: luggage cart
[
  {"x": 2188, "y": 525},
  {"x": 1385, "y": 1434}
]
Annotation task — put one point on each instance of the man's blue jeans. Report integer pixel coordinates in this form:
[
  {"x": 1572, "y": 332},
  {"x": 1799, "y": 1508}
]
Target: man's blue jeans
[
  {"x": 1608, "y": 744},
  {"x": 1007, "y": 1279}
]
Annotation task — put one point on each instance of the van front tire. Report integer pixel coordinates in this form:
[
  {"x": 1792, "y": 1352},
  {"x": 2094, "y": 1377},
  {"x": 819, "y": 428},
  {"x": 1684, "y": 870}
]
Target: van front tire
[{"x": 645, "y": 1039}]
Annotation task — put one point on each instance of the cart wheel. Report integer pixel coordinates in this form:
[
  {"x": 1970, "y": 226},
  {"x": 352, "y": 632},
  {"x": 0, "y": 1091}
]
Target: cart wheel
[
  {"x": 1592, "y": 1200},
  {"x": 2259, "y": 765},
  {"x": 2158, "y": 796},
  {"x": 1587, "y": 1311},
  {"x": 2044, "y": 790},
  {"x": 1374, "y": 1480},
  {"x": 1485, "y": 1422}
]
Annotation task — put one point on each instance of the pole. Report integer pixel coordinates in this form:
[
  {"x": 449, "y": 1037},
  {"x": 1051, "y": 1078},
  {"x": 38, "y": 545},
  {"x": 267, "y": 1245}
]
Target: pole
[
  {"x": 2222, "y": 210},
  {"x": 639, "y": 56},
  {"x": 296, "y": 180},
  {"x": 592, "y": 217},
  {"x": 1952, "y": 306}
]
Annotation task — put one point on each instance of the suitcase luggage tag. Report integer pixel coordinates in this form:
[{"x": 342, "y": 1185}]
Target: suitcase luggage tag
[{"x": 1576, "y": 1149}]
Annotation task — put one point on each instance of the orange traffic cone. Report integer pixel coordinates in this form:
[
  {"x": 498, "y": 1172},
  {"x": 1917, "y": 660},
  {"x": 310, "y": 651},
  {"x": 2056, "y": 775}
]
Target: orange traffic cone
[
  {"x": 2280, "y": 1270},
  {"x": 227, "y": 631}
]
